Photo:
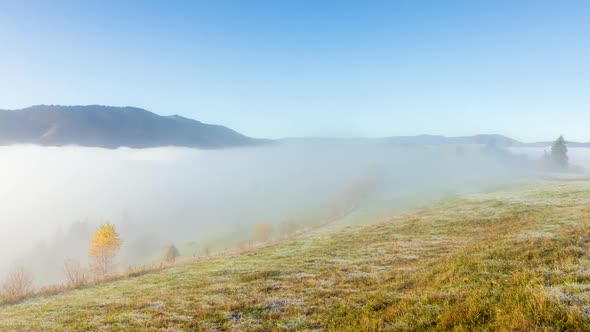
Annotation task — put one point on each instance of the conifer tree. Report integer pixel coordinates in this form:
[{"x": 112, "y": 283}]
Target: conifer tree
[{"x": 559, "y": 153}]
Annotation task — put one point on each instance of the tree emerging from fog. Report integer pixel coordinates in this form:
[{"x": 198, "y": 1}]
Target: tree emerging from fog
[
  {"x": 559, "y": 153},
  {"x": 103, "y": 250},
  {"x": 170, "y": 254}
]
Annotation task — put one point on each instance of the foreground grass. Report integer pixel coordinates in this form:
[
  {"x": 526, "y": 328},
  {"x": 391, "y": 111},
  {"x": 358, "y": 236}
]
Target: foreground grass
[{"x": 515, "y": 260}]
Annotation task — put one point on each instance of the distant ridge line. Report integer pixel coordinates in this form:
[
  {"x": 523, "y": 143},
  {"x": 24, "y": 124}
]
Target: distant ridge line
[
  {"x": 112, "y": 127},
  {"x": 128, "y": 126}
]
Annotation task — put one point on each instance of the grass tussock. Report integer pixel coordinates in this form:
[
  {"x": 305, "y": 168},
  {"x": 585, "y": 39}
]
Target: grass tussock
[{"x": 515, "y": 260}]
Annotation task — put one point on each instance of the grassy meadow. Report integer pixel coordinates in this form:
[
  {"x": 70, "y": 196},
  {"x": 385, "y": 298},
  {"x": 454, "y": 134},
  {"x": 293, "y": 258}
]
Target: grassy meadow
[{"x": 516, "y": 259}]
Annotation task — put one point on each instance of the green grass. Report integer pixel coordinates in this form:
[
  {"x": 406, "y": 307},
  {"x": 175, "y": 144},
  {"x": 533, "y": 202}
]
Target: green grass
[{"x": 512, "y": 260}]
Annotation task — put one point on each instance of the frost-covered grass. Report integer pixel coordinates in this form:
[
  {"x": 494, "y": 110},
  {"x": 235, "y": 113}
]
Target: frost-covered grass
[{"x": 513, "y": 260}]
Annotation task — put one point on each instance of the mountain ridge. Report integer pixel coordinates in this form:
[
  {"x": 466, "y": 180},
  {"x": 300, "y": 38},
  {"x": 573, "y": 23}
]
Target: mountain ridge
[
  {"x": 437, "y": 140},
  {"x": 128, "y": 126},
  {"x": 112, "y": 127}
]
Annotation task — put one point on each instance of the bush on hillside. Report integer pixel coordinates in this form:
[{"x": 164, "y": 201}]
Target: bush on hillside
[
  {"x": 18, "y": 284},
  {"x": 170, "y": 254}
]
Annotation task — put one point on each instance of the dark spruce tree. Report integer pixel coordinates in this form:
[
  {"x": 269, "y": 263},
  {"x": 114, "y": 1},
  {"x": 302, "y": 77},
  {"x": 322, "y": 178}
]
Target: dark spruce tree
[{"x": 559, "y": 153}]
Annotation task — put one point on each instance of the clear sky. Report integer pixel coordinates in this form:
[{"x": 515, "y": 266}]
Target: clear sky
[{"x": 311, "y": 68}]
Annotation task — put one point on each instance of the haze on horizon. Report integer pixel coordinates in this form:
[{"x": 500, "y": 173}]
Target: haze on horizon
[{"x": 306, "y": 68}]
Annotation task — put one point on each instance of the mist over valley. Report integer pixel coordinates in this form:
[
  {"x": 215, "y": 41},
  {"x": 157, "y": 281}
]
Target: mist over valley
[{"x": 214, "y": 199}]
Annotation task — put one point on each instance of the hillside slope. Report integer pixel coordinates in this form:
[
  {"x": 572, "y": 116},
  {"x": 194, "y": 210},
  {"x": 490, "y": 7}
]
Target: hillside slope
[
  {"x": 111, "y": 127},
  {"x": 512, "y": 260}
]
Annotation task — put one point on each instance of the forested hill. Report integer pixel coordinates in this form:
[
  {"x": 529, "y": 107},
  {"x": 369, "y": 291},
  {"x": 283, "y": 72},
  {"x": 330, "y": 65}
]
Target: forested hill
[{"x": 112, "y": 127}]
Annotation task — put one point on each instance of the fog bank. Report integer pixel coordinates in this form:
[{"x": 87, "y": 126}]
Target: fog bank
[{"x": 198, "y": 198}]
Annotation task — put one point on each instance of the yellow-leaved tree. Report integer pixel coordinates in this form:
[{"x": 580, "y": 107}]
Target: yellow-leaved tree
[{"x": 103, "y": 249}]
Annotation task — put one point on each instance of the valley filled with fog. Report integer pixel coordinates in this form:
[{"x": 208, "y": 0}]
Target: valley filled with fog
[{"x": 53, "y": 197}]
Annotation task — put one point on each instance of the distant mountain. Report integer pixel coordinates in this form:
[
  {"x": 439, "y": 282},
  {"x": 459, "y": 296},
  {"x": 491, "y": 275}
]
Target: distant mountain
[
  {"x": 421, "y": 140},
  {"x": 497, "y": 140},
  {"x": 112, "y": 127},
  {"x": 435, "y": 140}
]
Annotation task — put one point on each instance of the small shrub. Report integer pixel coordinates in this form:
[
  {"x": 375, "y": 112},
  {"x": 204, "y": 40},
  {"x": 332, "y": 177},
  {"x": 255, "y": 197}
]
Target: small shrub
[
  {"x": 76, "y": 274},
  {"x": 18, "y": 284},
  {"x": 170, "y": 254}
]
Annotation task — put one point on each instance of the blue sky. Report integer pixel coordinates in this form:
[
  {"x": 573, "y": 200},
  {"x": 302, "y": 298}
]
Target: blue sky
[{"x": 311, "y": 68}]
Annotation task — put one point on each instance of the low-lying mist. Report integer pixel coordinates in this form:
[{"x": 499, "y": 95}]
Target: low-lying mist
[{"x": 53, "y": 197}]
